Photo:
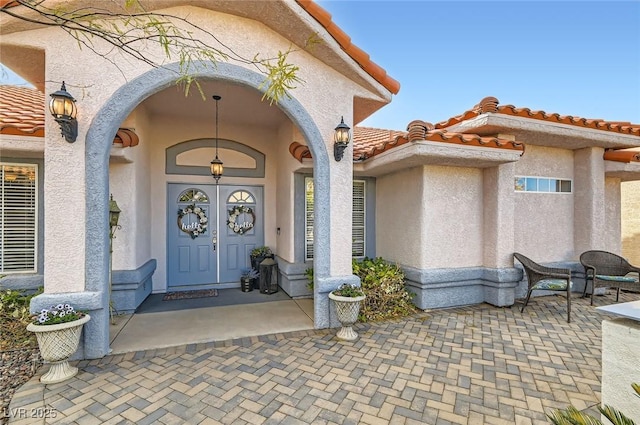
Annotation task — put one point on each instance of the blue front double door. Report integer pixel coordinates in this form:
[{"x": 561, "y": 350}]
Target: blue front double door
[{"x": 211, "y": 230}]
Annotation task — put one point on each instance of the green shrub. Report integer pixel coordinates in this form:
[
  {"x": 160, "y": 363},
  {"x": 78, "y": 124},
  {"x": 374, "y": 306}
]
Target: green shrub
[
  {"x": 14, "y": 317},
  {"x": 383, "y": 284},
  {"x": 309, "y": 274},
  {"x": 348, "y": 290}
]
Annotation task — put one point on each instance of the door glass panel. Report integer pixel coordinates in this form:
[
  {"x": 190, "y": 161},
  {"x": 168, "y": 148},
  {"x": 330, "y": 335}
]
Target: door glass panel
[
  {"x": 193, "y": 195},
  {"x": 241, "y": 197}
]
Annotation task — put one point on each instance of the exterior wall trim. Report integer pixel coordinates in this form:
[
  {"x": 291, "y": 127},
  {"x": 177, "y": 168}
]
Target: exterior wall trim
[
  {"x": 441, "y": 288},
  {"x": 172, "y": 152}
]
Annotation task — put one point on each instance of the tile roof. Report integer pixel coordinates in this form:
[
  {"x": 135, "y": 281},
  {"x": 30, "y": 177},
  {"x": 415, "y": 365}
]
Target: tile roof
[
  {"x": 622, "y": 155},
  {"x": 21, "y": 111},
  {"x": 22, "y": 114},
  {"x": 369, "y": 142},
  {"x": 491, "y": 105},
  {"x": 360, "y": 56}
]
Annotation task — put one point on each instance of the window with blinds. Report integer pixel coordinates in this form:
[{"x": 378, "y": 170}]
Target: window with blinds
[
  {"x": 358, "y": 223},
  {"x": 18, "y": 217}
]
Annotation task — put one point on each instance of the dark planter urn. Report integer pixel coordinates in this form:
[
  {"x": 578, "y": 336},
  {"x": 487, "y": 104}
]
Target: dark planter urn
[
  {"x": 255, "y": 264},
  {"x": 246, "y": 284}
]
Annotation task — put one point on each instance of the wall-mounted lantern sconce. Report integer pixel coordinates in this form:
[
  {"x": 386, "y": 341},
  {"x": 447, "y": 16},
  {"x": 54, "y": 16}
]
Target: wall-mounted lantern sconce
[
  {"x": 114, "y": 216},
  {"x": 216, "y": 165},
  {"x": 341, "y": 139},
  {"x": 63, "y": 109}
]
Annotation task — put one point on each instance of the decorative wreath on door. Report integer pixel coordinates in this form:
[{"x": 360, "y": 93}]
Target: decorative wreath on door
[
  {"x": 196, "y": 228},
  {"x": 245, "y": 226}
]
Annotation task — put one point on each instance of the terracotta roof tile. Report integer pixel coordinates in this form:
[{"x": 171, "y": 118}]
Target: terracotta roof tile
[
  {"x": 622, "y": 155},
  {"x": 366, "y": 138},
  {"x": 299, "y": 151},
  {"x": 127, "y": 137},
  {"x": 324, "y": 18},
  {"x": 22, "y": 114},
  {"x": 369, "y": 142},
  {"x": 21, "y": 111},
  {"x": 438, "y": 136},
  {"x": 491, "y": 105}
]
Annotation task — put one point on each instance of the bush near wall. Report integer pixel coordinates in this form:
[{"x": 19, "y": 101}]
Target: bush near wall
[
  {"x": 383, "y": 284},
  {"x": 14, "y": 317}
]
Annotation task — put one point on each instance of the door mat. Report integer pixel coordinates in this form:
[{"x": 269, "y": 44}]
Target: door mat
[{"x": 187, "y": 295}]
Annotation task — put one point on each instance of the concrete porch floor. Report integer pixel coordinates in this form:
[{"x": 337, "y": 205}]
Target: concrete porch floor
[{"x": 209, "y": 320}]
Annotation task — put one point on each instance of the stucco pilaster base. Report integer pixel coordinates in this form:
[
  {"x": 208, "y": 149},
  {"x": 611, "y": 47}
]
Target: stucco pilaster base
[
  {"x": 324, "y": 310},
  {"x": 293, "y": 281},
  {"x": 620, "y": 348},
  {"x": 94, "y": 342},
  {"x": 439, "y": 288},
  {"x": 129, "y": 288}
]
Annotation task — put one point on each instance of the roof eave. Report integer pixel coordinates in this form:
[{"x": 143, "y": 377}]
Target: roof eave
[
  {"x": 538, "y": 132},
  {"x": 622, "y": 170},
  {"x": 421, "y": 153}
]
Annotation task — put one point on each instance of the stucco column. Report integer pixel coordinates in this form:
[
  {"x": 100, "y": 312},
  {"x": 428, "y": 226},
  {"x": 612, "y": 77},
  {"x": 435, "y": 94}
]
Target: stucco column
[
  {"x": 499, "y": 215},
  {"x": 64, "y": 207},
  {"x": 341, "y": 200},
  {"x": 328, "y": 277},
  {"x": 589, "y": 200},
  {"x": 613, "y": 221}
]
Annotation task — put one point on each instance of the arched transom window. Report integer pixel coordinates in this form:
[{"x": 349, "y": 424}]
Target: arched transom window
[
  {"x": 193, "y": 195},
  {"x": 241, "y": 197}
]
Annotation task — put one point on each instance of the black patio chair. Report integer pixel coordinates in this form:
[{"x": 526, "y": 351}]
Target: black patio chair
[
  {"x": 607, "y": 270},
  {"x": 546, "y": 279}
]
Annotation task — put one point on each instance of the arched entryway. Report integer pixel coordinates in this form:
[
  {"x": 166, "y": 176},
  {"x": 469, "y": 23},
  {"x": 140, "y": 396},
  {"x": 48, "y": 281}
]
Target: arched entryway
[{"x": 98, "y": 143}]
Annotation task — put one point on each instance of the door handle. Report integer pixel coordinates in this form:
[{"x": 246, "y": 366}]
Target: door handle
[{"x": 214, "y": 241}]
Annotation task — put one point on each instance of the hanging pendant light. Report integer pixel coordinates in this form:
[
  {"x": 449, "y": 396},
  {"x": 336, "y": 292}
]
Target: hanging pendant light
[{"x": 216, "y": 165}]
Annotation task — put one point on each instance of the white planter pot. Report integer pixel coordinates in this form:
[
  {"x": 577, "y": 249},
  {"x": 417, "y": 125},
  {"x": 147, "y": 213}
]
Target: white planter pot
[
  {"x": 57, "y": 343},
  {"x": 347, "y": 310}
]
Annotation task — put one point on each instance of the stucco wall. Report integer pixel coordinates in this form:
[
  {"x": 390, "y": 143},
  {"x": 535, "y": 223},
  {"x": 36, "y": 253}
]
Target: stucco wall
[
  {"x": 130, "y": 184},
  {"x": 430, "y": 217},
  {"x": 630, "y": 226},
  {"x": 400, "y": 217},
  {"x": 284, "y": 216},
  {"x": 453, "y": 210},
  {"x": 544, "y": 222},
  {"x": 620, "y": 346}
]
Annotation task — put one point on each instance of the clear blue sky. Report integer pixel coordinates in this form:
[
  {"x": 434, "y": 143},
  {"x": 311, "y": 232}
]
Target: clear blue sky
[{"x": 579, "y": 58}]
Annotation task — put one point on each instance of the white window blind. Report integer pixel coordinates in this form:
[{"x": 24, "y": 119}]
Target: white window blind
[
  {"x": 18, "y": 217},
  {"x": 308, "y": 218},
  {"x": 359, "y": 218},
  {"x": 358, "y": 221}
]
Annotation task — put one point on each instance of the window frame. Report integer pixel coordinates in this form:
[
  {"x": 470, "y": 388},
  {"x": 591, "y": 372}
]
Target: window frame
[
  {"x": 538, "y": 179},
  {"x": 34, "y": 208},
  {"x": 308, "y": 242}
]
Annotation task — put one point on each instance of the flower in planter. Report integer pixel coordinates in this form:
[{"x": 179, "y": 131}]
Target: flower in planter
[
  {"x": 250, "y": 273},
  {"x": 348, "y": 290},
  {"x": 61, "y": 313},
  {"x": 261, "y": 251}
]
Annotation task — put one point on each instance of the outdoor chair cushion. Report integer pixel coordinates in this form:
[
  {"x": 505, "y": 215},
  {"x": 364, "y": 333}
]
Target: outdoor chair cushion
[
  {"x": 617, "y": 278},
  {"x": 552, "y": 284}
]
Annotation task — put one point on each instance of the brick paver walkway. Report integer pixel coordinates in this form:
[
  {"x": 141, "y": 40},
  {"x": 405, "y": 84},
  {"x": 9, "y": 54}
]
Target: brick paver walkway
[{"x": 471, "y": 365}]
